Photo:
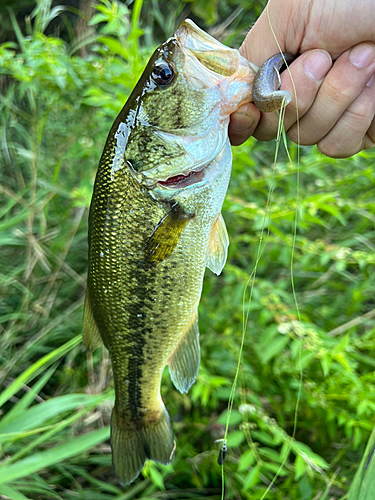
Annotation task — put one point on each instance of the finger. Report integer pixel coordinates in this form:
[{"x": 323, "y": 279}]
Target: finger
[
  {"x": 307, "y": 73},
  {"x": 354, "y": 130},
  {"x": 273, "y": 24},
  {"x": 243, "y": 123},
  {"x": 369, "y": 141},
  {"x": 343, "y": 84}
]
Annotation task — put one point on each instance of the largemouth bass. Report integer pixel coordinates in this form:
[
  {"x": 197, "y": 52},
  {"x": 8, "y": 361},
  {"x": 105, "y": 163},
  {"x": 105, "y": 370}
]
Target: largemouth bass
[{"x": 155, "y": 225}]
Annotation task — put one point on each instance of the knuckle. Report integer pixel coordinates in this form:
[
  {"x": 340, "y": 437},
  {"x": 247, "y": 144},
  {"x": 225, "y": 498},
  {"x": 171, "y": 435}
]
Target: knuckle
[
  {"x": 358, "y": 115},
  {"x": 300, "y": 136},
  {"x": 264, "y": 135},
  {"x": 338, "y": 93}
]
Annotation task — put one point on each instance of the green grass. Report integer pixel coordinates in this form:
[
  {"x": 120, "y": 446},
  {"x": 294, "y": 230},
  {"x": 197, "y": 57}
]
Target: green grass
[{"x": 55, "y": 112}]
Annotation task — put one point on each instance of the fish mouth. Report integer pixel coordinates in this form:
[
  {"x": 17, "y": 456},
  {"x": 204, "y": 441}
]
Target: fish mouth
[{"x": 182, "y": 180}]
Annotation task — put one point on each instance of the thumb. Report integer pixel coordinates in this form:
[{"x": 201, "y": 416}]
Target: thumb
[
  {"x": 258, "y": 46},
  {"x": 274, "y": 22}
]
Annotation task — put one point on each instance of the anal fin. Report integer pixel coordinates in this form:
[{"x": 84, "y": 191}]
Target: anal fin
[
  {"x": 217, "y": 250},
  {"x": 184, "y": 362},
  {"x": 90, "y": 332}
]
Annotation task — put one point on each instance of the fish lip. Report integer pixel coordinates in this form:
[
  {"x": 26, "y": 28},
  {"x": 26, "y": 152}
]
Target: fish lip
[
  {"x": 206, "y": 49},
  {"x": 192, "y": 37}
]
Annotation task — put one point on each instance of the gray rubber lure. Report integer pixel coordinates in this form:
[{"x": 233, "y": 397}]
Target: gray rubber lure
[{"x": 265, "y": 96}]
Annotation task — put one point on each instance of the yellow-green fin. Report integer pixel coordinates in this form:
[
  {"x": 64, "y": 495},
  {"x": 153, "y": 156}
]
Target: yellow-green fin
[
  {"x": 166, "y": 235},
  {"x": 217, "y": 249},
  {"x": 184, "y": 362},
  {"x": 134, "y": 442},
  {"x": 90, "y": 332}
]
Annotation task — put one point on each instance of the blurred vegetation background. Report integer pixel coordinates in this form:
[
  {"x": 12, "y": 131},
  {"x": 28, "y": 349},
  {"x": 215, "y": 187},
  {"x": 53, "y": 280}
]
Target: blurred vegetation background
[{"x": 66, "y": 69}]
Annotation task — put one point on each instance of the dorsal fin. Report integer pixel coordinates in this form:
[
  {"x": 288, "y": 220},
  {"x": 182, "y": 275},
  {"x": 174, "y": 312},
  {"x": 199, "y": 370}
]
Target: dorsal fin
[{"x": 217, "y": 249}]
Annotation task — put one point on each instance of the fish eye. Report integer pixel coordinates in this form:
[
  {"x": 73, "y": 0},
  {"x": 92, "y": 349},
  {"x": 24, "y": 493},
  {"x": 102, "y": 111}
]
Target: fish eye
[{"x": 162, "y": 74}]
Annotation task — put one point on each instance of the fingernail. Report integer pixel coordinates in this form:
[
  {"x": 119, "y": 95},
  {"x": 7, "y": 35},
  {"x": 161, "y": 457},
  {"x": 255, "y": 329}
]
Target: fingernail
[
  {"x": 242, "y": 119},
  {"x": 371, "y": 82},
  {"x": 362, "y": 55},
  {"x": 317, "y": 64}
]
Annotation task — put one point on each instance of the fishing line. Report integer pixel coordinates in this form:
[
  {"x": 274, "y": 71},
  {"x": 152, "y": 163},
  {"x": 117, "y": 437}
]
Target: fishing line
[
  {"x": 251, "y": 279},
  {"x": 295, "y": 420},
  {"x": 250, "y": 282}
]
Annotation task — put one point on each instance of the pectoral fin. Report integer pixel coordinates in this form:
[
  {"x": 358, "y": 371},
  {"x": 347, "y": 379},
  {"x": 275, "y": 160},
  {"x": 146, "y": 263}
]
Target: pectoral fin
[
  {"x": 184, "y": 362},
  {"x": 90, "y": 332},
  {"x": 166, "y": 235},
  {"x": 218, "y": 246}
]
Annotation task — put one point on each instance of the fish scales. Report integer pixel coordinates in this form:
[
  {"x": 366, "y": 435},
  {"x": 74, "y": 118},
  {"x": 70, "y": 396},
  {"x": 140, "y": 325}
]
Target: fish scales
[
  {"x": 154, "y": 226},
  {"x": 128, "y": 297}
]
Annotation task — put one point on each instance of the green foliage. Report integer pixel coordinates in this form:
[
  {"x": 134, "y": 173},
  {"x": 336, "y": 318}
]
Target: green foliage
[
  {"x": 363, "y": 486},
  {"x": 56, "y": 109}
]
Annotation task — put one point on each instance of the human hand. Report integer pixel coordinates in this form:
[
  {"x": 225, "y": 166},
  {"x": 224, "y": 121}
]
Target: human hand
[{"x": 336, "y": 101}]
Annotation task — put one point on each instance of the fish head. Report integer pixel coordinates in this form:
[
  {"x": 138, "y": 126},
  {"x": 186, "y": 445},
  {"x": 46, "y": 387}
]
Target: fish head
[{"x": 177, "y": 117}]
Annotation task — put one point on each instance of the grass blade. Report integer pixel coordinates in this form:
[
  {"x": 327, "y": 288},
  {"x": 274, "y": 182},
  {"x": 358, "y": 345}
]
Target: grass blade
[
  {"x": 34, "y": 369},
  {"x": 52, "y": 456},
  {"x": 27, "y": 399},
  {"x": 12, "y": 493},
  {"x": 363, "y": 485}
]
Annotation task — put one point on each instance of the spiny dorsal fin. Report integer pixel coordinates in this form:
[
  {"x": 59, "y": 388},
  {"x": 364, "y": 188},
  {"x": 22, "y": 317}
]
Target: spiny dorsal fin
[
  {"x": 166, "y": 235},
  {"x": 184, "y": 362},
  {"x": 217, "y": 249},
  {"x": 90, "y": 332}
]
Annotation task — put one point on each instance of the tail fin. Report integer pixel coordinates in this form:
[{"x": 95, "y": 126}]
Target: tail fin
[{"x": 133, "y": 444}]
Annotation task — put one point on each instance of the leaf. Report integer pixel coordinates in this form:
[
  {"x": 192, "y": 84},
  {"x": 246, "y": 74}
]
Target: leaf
[
  {"x": 235, "y": 438},
  {"x": 363, "y": 485},
  {"x": 156, "y": 477},
  {"x": 40, "y": 413},
  {"x": 11, "y": 492},
  {"x": 341, "y": 358},
  {"x": 275, "y": 468},
  {"x": 235, "y": 418},
  {"x": 35, "y": 369},
  {"x": 18, "y": 32},
  {"x": 299, "y": 467},
  {"x": 246, "y": 460},
  {"x": 134, "y": 34},
  {"x": 269, "y": 454},
  {"x": 325, "y": 362},
  {"x": 333, "y": 211},
  {"x": 306, "y": 452},
  {"x": 115, "y": 46},
  {"x": 38, "y": 461},
  {"x": 263, "y": 437},
  {"x": 96, "y": 19},
  {"x": 27, "y": 399},
  {"x": 275, "y": 347},
  {"x": 251, "y": 478}
]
